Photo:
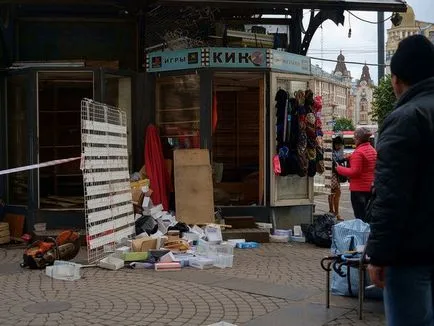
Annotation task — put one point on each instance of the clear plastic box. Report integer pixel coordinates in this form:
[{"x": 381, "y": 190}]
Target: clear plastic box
[
  {"x": 222, "y": 249},
  {"x": 223, "y": 261},
  {"x": 201, "y": 262}
]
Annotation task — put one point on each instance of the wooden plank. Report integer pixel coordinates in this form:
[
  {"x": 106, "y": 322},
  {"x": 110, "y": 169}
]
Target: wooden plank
[
  {"x": 191, "y": 157},
  {"x": 261, "y": 141},
  {"x": 16, "y": 224},
  {"x": 193, "y": 187}
]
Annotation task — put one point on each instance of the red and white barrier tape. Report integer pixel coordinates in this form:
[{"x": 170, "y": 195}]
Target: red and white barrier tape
[{"x": 39, "y": 165}]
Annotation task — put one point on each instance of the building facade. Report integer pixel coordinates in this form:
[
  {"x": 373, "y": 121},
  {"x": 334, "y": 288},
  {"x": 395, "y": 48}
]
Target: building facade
[
  {"x": 335, "y": 89},
  {"x": 363, "y": 98},
  {"x": 409, "y": 26}
]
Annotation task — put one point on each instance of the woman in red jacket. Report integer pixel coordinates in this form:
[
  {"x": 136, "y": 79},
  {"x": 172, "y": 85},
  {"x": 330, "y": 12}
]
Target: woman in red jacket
[{"x": 360, "y": 172}]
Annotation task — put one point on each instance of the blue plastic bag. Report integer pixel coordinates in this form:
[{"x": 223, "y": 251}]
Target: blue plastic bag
[{"x": 346, "y": 234}]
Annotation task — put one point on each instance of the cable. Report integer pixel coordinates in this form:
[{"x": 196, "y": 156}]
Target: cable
[
  {"x": 351, "y": 62},
  {"x": 368, "y": 21}
]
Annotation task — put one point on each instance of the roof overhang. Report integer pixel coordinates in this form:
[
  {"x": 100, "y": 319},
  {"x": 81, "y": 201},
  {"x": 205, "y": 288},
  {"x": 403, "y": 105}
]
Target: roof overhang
[
  {"x": 359, "y": 5},
  {"x": 362, "y": 5}
]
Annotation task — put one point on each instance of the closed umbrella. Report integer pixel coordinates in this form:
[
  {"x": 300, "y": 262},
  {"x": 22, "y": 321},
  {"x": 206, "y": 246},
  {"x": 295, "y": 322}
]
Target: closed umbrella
[{"x": 156, "y": 167}]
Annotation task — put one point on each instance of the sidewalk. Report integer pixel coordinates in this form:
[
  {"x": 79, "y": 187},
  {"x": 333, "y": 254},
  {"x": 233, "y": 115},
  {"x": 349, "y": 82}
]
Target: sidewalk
[{"x": 277, "y": 284}]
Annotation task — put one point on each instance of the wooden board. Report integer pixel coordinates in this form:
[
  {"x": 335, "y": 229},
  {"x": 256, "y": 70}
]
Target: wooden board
[
  {"x": 16, "y": 224},
  {"x": 261, "y": 142},
  {"x": 191, "y": 157},
  {"x": 193, "y": 187}
]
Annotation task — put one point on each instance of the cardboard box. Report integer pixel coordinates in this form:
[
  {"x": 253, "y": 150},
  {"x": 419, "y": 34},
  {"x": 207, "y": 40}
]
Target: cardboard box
[{"x": 144, "y": 244}]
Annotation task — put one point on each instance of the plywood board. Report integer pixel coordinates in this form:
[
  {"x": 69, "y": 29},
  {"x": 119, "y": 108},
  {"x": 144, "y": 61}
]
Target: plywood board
[
  {"x": 191, "y": 157},
  {"x": 193, "y": 187}
]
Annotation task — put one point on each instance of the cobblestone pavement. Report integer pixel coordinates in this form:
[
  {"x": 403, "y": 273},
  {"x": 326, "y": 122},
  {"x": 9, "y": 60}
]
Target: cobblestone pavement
[
  {"x": 142, "y": 297},
  {"x": 255, "y": 289}
]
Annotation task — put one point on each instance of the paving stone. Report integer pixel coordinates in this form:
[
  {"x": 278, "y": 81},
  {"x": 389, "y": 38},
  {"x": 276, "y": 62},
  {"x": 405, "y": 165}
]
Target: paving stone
[
  {"x": 298, "y": 315},
  {"x": 47, "y": 307},
  {"x": 265, "y": 286}
]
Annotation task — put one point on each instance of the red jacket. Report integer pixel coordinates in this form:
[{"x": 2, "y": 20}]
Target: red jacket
[{"x": 362, "y": 167}]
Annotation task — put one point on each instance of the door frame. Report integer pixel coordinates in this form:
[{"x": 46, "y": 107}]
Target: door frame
[
  {"x": 262, "y": 152},
  {"x": 274, "y": 201},
  {"x": 37, "y": 113}
]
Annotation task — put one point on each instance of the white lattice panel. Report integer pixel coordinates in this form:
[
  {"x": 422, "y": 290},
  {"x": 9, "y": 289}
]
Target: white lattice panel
[{"x": 108, "y": 201}]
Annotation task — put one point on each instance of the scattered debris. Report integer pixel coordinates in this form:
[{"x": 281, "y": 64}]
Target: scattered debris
[{"x": 64, "y": 270}]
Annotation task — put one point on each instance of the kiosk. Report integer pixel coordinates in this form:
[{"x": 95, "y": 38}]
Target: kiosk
[{"x": 224, "y": 100}]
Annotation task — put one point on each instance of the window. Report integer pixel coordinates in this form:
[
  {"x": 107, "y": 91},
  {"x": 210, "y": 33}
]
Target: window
[
  {"x": 178, "y": 110},
  {"x": 17, "y": 139}
]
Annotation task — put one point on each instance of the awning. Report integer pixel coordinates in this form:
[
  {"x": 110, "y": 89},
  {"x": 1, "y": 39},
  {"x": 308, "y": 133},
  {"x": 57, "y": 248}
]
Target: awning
[{"x": 361, "y": 5}]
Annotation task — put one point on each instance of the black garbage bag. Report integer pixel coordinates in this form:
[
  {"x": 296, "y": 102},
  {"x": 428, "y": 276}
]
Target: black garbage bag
[
  {"x": 181, "y": 227},
  {"x": 323, "y": 230},
  {"x": 146, "y": 224}
]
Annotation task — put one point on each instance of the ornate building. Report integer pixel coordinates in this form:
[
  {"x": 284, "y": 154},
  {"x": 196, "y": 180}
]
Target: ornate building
[
  {"x": 341, "y": 68},
  {"x": 335, "y": 89},
  {"x": 409, "y": 26},
  {"x": 364, "y": 96}
]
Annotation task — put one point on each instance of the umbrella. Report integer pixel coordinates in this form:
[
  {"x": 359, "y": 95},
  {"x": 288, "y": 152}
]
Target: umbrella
[{"x": 156, "y": 167}]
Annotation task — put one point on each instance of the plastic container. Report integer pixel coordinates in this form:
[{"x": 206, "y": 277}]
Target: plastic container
[
  {"x": 279, "y": 238},
  {"x": 233, "y": 242},
  {"x": 298, "y": 239},
  {"x": 201, "y": 262},
  {"x": 223, "y": 261},
  {"x": 221, "y": 249},
  {"x": 64, "y": 270},
  {"x": 191, "y": 236},
  {"x": 280, "y": 232},
  {"x": 248, "y": 245},
  {"x": 111, "y": 263},
  {"x": 203, "y": 247},
  {"x": 40, "y": 227}
]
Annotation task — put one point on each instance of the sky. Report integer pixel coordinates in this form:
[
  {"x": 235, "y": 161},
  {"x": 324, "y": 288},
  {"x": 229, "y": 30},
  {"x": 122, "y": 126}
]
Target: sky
[{"x": 362, "y": 46}]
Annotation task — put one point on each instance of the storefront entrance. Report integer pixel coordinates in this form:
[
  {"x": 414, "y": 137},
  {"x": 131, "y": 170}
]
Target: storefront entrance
[
  {"x": 237, "y": 139},
  {"x": 43, "y": 115},
  {"x": 59, "y": 128}
]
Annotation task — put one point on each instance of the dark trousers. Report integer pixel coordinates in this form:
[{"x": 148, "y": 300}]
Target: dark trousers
[
  {"x": 359, "y": 201},
  {"x": 409, "y": 295}
]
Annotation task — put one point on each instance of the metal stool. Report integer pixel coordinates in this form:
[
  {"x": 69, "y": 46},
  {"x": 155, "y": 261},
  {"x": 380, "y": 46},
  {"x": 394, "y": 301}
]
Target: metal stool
[{"x": 350, "y": 261}]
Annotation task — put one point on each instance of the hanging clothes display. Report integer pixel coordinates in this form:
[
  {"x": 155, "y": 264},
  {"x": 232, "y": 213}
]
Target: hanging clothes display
[{"x": 299, "y": 133}]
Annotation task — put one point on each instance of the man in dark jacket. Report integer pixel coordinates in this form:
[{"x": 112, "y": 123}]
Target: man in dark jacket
[{"x": 401, "y": 243}]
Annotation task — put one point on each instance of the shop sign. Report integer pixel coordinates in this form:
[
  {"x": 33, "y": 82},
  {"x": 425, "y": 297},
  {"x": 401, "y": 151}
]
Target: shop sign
[
  {"x": 237, "y": 58},
  {"x": 173, "y": 60},
  {"x": 290, "y": 62}
]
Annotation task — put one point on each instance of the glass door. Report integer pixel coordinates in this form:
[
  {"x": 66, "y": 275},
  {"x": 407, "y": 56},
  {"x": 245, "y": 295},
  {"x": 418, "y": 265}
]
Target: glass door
[
  {"x": 16, "y": 137},
  {"x": 289, "y": 190},
  {"x": 59, "y": 95}
]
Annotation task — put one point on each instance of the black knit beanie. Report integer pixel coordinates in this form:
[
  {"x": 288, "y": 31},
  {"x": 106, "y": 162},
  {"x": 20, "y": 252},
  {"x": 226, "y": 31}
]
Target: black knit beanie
[{"x": 413, "y": 61}]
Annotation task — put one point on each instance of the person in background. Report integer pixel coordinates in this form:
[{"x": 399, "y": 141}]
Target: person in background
[
  {"x": 360, "y": 172},
  {"x": 335, "y": 195},
  {"x": 400, "y": 248}
]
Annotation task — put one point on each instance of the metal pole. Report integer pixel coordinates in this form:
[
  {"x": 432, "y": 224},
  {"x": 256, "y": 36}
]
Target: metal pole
[{"x": 380, "y": 36}]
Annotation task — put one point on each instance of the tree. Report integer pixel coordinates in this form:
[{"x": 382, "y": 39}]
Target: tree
[
  {"x": 383, "y": 100},
  {"x": 342, "y": 124}
]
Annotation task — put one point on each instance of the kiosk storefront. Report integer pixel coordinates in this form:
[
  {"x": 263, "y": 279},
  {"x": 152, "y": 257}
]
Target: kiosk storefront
[{"x": 224, "y": 100}]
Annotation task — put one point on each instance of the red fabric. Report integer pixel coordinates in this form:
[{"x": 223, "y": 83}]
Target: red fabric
[
  {"x": 156, "y": 167},
  {"x": 214, "y": 113},
  {"x": 362, "y": 167}
]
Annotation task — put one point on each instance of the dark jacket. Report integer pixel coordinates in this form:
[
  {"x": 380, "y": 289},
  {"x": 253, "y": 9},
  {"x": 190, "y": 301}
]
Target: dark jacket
[{"x": 402, "y": 210}]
